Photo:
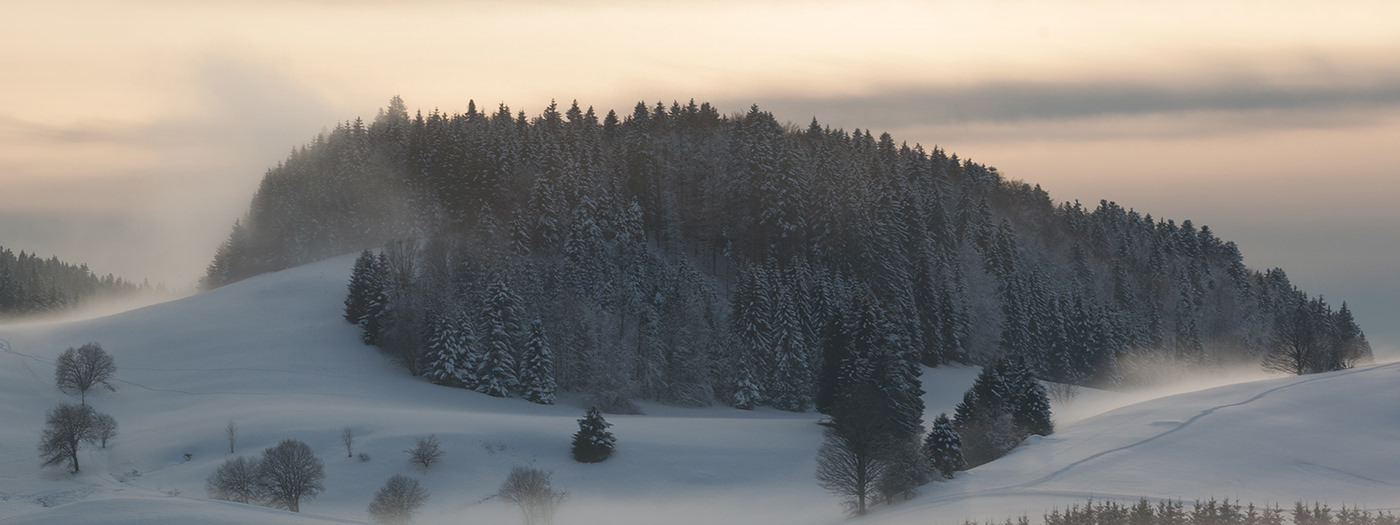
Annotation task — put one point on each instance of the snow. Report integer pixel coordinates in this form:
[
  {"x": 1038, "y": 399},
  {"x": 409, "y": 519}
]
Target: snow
[{"x": 273, "y": 355}]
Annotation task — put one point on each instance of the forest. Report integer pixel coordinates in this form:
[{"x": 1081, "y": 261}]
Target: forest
[
  {"x": 30, "y": 284},
  {"x": 689, "y": 257}
]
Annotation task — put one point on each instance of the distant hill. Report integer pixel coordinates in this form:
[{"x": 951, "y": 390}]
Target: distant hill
[{"x": 682, "y": 255}]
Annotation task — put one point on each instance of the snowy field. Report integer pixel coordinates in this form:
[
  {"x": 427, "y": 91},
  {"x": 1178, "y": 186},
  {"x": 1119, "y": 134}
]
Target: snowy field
[{"x": 273, "y": 355}]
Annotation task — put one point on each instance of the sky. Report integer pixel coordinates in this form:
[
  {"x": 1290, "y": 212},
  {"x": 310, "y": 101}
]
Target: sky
[{"x": 133, "y": 133}]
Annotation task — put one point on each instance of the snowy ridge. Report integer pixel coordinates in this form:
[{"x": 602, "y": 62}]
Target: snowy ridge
[{"x": 273, "y": 354}]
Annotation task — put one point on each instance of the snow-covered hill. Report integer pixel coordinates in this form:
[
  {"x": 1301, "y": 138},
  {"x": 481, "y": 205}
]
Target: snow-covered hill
[
  {"x": 273, "y": 355},
  {"x": 1328, "y": 437}
]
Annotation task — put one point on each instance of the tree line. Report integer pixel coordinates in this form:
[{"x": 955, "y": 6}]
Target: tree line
[
  {"x": 686, "y": 256},
  {"x": 1211, "y": 511},
  {"x": 30, "y": 284}
]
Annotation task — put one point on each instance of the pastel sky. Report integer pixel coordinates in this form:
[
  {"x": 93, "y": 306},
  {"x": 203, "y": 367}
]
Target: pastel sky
[{"x": 133, "y": 133}]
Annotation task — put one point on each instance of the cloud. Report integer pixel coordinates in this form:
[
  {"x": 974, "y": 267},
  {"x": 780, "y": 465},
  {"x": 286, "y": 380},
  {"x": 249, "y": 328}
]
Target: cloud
[{"x": 1211, "y": 103}]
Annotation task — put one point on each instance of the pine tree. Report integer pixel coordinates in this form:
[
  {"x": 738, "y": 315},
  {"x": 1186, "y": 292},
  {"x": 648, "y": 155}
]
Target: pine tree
[
  {"x": 445, "y": 351},
  {"x": 360, "y": 281},
  {"x": 790, "y": 383},
  {"x": 943, "y": 447},
  {"x": 746, "y": 390},
  {"x": 537, "y": 370},
  {"x": 593, "y": 442},
  {"x": 1029, "y": 404},
  {"x": 497, "y": 373},
  {"x": 377, "y": 308}
]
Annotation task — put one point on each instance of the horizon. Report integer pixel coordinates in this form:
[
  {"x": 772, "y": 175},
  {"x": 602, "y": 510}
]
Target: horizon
[{"x": 136, "y": 134}]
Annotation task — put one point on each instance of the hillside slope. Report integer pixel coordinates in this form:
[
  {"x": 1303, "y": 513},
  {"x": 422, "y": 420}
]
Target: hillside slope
[
  {"x": 272, "y": 354},
  {"x": 1324, "y": 437}
]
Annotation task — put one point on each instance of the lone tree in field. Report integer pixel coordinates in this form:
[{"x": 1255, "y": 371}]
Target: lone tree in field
[
  {"x": 426, "y": 452},
  {"x": 82, "y": 368},
  {"x": 397, "y": 500},
  {"x": 593, "y": 442},
  {"x": 529, "y": 488},
  {"x": 66, "y": 428},
  {"x": 347, "y": 436},
  {"x": 236, "y": 480},
  {"x": 290, "y": 472},
  {"x": 104, "y": 427}
]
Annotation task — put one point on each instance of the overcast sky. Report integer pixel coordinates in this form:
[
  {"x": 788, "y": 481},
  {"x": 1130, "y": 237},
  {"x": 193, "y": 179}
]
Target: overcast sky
[{"x": 133, "y": 133}]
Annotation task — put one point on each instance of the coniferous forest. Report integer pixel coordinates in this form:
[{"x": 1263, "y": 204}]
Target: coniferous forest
[
  {"x": 686, "y": 256},
  {"x": 30, "y": 284}
]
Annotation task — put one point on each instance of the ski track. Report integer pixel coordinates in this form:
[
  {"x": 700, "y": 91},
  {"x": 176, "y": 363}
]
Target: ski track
[
  {"x": 1183, "y": 425},
  {"x": 1341, "y": 475}
]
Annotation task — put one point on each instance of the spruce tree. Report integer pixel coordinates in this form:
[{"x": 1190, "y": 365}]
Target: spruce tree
[
  {"x": 593, "y": 442},
  {"x": 497, "y": 373},
  {"x": 360, "y": 279},
  {"x": 537, "y": 367},
  {"x": 445, "y": 353},
  {"x": 943, "y": 447},
  {"x": 377, "y": 308}
]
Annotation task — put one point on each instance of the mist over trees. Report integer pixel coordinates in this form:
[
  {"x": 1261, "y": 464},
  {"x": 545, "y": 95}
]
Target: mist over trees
[
  {"x": 33, "y": 285},
  {"x": 684, "y": 256}
]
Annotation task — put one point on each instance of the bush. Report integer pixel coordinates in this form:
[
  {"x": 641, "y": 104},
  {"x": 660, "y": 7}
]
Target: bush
[
  {"x": 529, "y": 488},
  {"x": 397, "y": 500},
  {"x": 426, "y": 453}
]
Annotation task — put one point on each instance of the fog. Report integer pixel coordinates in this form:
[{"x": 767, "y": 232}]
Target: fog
[{"x": 179, "y": 184}]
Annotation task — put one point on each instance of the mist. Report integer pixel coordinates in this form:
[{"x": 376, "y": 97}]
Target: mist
[{"x": 181, "y": 181}]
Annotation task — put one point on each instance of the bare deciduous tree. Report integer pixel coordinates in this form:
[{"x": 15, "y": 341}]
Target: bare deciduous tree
[
  {"x": 397, "y": 500},
  {"x": 82, "y": 368},
  {"x": 849, "y": 464},
  {"x": 236, "y": 480},
  {"x": 529, "y": 488},
  {"x": 426, "y": 453},
  {"x": 66, "y": 428},
  {"x": 290, "y": 472},
  {"x": 104, "y": 427},
  {"x": 347, "y": 436},
  {"x": 231, "y": 432}
]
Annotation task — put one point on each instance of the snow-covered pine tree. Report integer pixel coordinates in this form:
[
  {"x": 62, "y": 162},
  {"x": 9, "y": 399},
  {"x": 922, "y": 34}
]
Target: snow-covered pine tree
[
  {"x": 790, "y": 381},
  {"x": 497, "y": 373},
  {"x": 377, "y": 309},
  {"x": 360, "y": 279},
  {"x": 445, "y": 350},
  {"x": 1029, "y": 404},
  {"x": 593, "y": 442},
  {"x": 746, "y": 390},
  {"x": 943, "y": 447},
  {"x": 537, "y": 367}
]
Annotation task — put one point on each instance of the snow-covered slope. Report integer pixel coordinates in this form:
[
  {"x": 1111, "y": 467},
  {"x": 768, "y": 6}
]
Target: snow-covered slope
[
  {"x": 273, "y": 355},
  {"x": 1327, "y": 437}
]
